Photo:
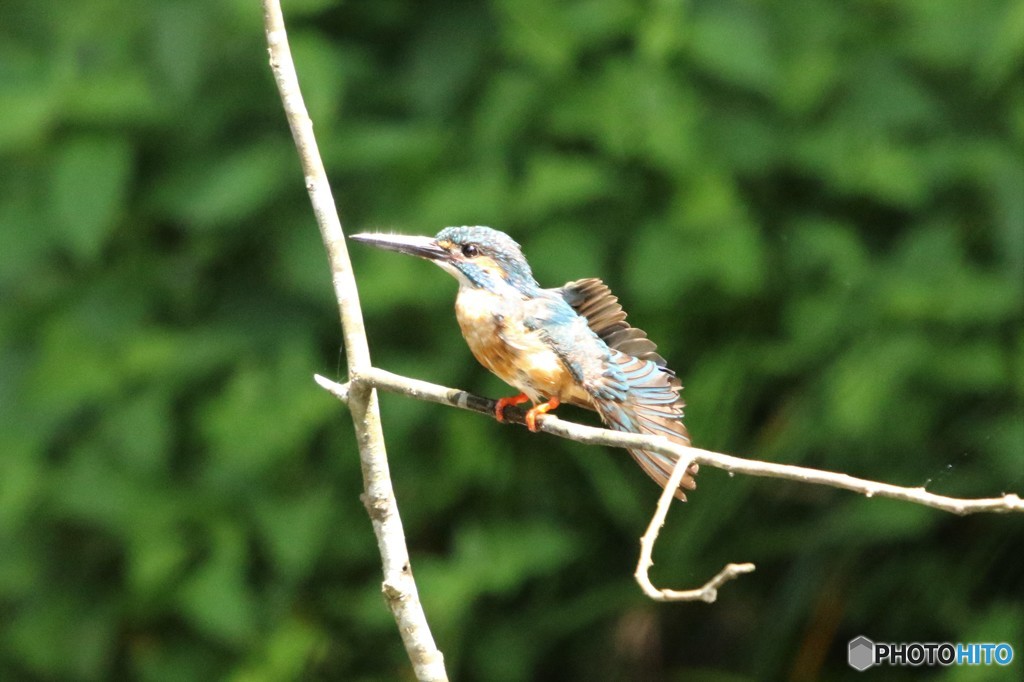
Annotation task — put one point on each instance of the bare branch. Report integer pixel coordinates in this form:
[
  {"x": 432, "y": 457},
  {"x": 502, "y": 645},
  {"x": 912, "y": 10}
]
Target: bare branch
[
  {"x": 707, "y": 593},
  {"x": 398, "y": 585},
  {"x": 422, "y": 390}
]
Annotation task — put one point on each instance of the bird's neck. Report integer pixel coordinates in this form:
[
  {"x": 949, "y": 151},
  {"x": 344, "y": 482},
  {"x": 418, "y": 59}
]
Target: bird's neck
[{"x": 499, "y": 289}]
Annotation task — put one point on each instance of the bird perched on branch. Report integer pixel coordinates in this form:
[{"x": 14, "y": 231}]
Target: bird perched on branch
[{"x": 566, "y": 345}]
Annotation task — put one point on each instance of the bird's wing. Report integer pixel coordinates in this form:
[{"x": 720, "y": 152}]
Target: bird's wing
[
  {"x": 650, "y": 404},
  {"x": 632, "y": 391},
  {"x": 593, "y": 300}
]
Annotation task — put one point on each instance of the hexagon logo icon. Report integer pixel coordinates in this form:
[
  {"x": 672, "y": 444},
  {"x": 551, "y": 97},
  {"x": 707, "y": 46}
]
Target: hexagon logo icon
[{"x": 861, "y": 655}]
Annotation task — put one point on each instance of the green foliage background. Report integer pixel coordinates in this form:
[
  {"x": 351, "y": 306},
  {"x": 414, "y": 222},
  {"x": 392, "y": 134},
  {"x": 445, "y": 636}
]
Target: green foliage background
[{"x": 816, "y": 209}]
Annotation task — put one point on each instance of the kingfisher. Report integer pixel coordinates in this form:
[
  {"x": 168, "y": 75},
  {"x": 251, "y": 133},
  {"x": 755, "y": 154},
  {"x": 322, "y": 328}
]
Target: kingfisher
[{"x": 569, "y": 345}]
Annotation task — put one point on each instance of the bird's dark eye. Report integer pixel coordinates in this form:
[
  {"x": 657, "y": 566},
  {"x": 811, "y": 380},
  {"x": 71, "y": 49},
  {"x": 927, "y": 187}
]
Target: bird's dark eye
[{"x": 469, "y": 250}]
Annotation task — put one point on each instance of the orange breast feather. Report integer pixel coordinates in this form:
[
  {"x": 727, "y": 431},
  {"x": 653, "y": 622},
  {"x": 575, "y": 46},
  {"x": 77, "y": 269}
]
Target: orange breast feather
[{"x": 517, "y": 355}]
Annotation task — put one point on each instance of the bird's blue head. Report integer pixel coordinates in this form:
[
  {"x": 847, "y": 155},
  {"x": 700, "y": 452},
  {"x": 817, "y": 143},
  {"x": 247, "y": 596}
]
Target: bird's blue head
[{"x": 478, "y": 257}]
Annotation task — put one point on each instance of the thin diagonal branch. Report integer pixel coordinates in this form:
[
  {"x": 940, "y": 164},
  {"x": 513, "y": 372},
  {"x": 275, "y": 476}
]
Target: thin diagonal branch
[
  {"x": 422, "y": 390},
  {"x": 398, "y": 585}
]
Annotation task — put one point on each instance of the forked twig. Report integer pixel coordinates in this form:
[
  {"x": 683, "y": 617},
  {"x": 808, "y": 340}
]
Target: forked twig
[
  {"x": 422, "y": 390},
  {"x": 709, "y": 591}
]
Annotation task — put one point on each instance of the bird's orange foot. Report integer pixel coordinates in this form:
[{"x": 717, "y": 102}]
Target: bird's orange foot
[
  {"x": 543, "y": 408},
  {"x": 499, "y": 409}
]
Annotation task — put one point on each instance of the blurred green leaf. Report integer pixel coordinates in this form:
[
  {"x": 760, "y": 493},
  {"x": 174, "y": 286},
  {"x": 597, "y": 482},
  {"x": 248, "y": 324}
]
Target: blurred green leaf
[
  {"x": 732, "y": 41},
  {"x": 230, "y": 190},
  {"x": 28, "y": 99},
  {"x": 86, "y": 631},
  {"x": 556, "y": 183},
  {"x": 216, "y": 597},
  {"x": 247, "y": 426},
  {"x": 90, "y": 179},
  {"x": 285, "y": 655},
  {"x": 294, "y": 529}
]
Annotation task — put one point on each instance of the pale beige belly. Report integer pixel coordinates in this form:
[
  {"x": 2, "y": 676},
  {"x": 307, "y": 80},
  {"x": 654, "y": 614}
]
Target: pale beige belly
[{"x": 515, "y": 354}]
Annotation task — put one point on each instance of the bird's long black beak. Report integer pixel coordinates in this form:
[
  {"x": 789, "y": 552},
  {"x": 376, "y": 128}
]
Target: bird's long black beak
[{"x": 424, "y": 247}]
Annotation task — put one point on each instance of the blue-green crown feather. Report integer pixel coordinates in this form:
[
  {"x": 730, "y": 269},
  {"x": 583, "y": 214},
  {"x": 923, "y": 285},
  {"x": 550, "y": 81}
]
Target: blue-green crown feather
[{"x": 499, "y": 247}]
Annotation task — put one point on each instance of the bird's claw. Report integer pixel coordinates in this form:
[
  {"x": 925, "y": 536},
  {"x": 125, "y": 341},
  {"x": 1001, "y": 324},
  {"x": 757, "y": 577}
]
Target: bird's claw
[
  {"x": 499, "y": 408},
  {"x": 534, "y": 412}
]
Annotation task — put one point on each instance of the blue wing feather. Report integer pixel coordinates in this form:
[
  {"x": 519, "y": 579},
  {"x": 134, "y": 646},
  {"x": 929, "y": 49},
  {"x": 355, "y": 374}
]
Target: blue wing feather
[
  {"x": 652, "y": 406},
  {"x": 631, "y": 394}
]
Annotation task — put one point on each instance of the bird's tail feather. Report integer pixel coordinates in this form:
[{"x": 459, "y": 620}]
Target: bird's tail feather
[{"x": 652, "y": 405}]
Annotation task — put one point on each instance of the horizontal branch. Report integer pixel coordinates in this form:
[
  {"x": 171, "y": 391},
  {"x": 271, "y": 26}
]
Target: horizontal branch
[{"x": 422, "y": 390}]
